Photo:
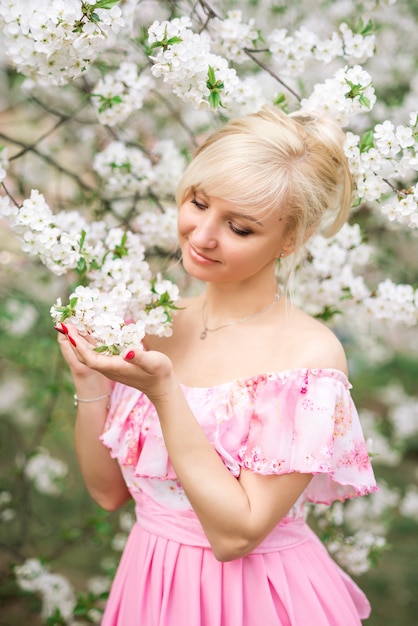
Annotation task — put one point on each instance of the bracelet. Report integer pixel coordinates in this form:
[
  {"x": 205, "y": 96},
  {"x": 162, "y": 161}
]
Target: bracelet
[{"x": 77, "y": 399}]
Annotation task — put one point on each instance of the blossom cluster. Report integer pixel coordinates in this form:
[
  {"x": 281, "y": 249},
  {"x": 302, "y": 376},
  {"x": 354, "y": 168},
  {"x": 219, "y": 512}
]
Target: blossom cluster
[
  {"x": 356, "y": 552},
  {"x": 409, "y": 506},
  {"x": 355, "y": 549},
  {"x": 347, "y": 94},
  {"x": 393, "y": 303},
  {"x": 118, "y": 94},
  {"x": 158, "y": 230},
  {"x": 231, "y": 36},
  {"x": 55, "y": 590},
  {"x": 128, "y": 171},
  {"x": 54, "y": 42},
  {"x": 387, "y": 156},
  {"x": 46, "y": 472},
  {"x": 329, "y": 282},
  {"x": 121, "y": 286},
  {"x": 125, "y": 170},
  {"x": 402, "y": 413},
  {"x": 330, "y": 279},
  {"x": 291, "y": 53},
  {"x": 7, "y": 513},
  {"x": 183, "y": 59}
]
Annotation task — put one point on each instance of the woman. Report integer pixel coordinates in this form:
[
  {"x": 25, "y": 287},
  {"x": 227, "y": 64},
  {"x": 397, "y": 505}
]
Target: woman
[{"x": 224, "y": 430}]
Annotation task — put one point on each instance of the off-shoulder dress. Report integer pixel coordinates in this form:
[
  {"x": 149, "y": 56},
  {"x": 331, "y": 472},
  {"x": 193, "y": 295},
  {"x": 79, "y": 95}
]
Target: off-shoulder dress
[{"x": 300, "y": 420}]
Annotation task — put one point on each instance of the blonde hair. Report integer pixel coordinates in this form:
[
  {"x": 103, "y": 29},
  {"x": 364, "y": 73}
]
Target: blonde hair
[{"x": 270, "y": 161}]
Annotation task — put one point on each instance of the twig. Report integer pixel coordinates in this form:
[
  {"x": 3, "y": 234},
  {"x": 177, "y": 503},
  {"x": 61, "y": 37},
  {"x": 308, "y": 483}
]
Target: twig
[
  {"x": 30, "y": 147},
  {"x": 10, "y": 195},
  {"x": 399, "y": 192},
  {"x": 50, "y": 161},
  {"x": 251, "y": 54},
  {"x": 211, "y": 13}
]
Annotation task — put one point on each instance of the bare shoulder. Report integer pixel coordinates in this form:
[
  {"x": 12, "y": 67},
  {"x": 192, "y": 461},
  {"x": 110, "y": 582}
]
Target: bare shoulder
[{"x": 315, "y": 345}]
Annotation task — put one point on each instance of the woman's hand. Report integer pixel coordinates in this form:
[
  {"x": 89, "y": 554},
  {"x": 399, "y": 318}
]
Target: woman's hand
[
  {"x": 150, "y": 372},
  {"x": 78, "y": 369}
]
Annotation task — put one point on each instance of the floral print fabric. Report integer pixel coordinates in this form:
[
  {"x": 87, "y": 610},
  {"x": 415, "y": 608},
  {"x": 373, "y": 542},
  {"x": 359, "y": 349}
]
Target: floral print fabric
[{"x": 301, "y": 420}]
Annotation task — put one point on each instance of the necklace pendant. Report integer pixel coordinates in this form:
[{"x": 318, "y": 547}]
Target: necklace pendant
[{"x": 204, "y": 334}]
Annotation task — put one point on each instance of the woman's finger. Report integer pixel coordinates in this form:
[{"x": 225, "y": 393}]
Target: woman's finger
[{"x": 150, "y": 361}]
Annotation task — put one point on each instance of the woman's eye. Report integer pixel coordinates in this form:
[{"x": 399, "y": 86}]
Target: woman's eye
[
  {"x": 242, "y": 232},
  {"x": 199, "y": 205}
]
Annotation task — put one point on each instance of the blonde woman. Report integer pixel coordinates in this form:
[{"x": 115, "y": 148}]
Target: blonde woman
[{"x": 223, "y": 431}]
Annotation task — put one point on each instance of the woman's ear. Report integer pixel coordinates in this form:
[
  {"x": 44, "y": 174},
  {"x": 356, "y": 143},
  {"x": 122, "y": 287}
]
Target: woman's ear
[
  {"x": 287, "y": 247},
  {"x": 290, "y": 244}
]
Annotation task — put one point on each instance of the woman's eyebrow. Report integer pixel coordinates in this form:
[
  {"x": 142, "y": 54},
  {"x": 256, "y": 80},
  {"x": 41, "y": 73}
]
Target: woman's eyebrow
[
  {"x": 234, "y": 214},
  {"x": 245, "y": 216}
]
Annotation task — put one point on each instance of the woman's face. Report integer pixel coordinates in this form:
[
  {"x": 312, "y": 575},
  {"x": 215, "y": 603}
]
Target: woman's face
[{"x": 221, "y": 243}]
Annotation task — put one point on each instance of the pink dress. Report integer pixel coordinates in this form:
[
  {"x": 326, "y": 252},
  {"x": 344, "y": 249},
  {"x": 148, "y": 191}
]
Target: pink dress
[{"x": 294, "y": 421}]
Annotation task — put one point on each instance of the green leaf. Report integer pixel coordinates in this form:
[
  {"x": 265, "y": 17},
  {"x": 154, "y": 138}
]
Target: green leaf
[
  {"x": 165, "y": 43},
  {"x": 55, "y": 619},
  {"x": 281, "y": 102},
  {"x": 214, "y": 100},
  {"x": 82, "y": 239},
  {"x": 100, "y": 349},
  {"x": 105, "y": 4},
  {"x": 364, "y": 29},
  {"x": 367, "y": 141},
  {"x": 215, "y": 87},
  {"x": 81, "y": 266},
  {"x": 106, "y": 103},
  {"x": 120, "y": 250},
  {"x": 364, "y": 101},
  {"x": 211, "y": 76},
  {"x": 327, "y": 314},
  {"x": 111, "y": 350}
]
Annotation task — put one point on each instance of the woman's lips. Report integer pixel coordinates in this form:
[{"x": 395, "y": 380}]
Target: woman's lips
[{"x": 200, "y": 258}]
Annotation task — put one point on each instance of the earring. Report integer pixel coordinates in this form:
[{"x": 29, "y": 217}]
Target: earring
[{"x": 281, "y": 255}]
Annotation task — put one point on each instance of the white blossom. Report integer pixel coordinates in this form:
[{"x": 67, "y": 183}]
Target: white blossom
[
  {"x": 354, "y": 553},
  {"x": 231, "y": 36},
  {"x": 393, "y": 303},
  {"x": 7, "y": 513},
  {"x": 125, "y": 170},
  {"x": 117, "y": 95},
  {"x": 182, "y": 58},
  {"x": 54, "y": 42},
  {"x": 55, "y": 590},
  {"x": 158, "y": 229},
  {"x": 350, "y": 92},
  {"x": 409, "y": 504},
  {"x": 46, "y": 472}
]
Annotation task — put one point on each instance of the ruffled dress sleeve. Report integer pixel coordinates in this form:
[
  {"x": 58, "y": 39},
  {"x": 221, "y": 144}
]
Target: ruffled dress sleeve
[{"x": 305, "y": 421}]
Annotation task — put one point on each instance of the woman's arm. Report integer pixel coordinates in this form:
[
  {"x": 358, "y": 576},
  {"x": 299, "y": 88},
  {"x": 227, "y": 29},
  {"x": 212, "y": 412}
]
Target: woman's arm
[
  {"x": 236, "y": 514},
  {"x": 100, "y": 472}
]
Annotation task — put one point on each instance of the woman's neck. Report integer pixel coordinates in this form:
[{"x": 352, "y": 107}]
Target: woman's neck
[{"x": 224, "y": 303}]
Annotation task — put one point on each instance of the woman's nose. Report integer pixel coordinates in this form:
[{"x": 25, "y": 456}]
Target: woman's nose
[{"x": 205, "y": 232}]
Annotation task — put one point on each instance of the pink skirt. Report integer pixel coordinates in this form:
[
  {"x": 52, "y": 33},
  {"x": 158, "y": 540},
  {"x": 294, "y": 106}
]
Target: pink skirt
[{"x": 169, "y": 577}]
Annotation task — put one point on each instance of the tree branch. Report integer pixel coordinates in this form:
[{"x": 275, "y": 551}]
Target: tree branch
[{"x": 48, "y": 160}]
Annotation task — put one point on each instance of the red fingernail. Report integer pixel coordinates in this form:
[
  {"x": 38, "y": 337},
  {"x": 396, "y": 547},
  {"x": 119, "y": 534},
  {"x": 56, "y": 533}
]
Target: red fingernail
[
  {"x": 130, "y": 355},
  {"x": 64, "y": 328},
  {"x": 59, "y": 330},
  {"x": 72, "y": 341}
]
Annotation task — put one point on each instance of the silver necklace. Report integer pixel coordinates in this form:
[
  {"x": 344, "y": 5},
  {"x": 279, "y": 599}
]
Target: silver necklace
[{"x": 207, "y": 330}]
